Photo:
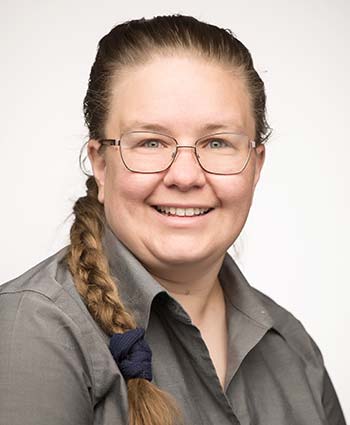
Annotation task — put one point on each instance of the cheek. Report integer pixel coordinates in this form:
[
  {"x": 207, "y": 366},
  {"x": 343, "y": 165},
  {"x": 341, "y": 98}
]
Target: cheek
[
  {"x": 125, "y": 189},
  {"x": 236, "y": 199},
  {"x": 125, "y": 204},
  {"x": 235, "y": 191}
]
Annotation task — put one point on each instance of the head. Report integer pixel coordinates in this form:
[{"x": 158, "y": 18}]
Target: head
[{"x": 180, "y": 74}]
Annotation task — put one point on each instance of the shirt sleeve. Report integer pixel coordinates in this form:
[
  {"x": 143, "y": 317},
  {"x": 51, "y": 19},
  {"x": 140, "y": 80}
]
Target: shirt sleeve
[
  {"x": 331, "y": 403},
  {"x": 44, "y": 376}
]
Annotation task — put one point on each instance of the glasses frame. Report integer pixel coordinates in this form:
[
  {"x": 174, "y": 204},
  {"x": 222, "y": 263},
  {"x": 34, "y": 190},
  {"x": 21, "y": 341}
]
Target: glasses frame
[{"x": 116, "y": 143}]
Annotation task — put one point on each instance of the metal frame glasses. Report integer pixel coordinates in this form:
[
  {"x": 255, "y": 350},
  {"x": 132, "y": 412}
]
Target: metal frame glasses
[{"x": 118, "y": 143}]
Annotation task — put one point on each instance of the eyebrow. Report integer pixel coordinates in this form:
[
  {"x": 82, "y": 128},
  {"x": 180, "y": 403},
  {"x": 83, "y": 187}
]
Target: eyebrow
[{"x": 140, "y": 125}]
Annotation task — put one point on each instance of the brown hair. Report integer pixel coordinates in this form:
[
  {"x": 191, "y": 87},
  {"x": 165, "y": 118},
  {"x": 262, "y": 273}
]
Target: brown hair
[{"x": 130, "y": 44}]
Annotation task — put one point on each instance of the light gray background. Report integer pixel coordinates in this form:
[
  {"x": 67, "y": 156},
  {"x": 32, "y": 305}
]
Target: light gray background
[{"x": 296, "y": 241}]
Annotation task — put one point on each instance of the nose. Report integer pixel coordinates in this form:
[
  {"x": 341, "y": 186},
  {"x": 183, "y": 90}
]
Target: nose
[{"x": 185, "y": 172}]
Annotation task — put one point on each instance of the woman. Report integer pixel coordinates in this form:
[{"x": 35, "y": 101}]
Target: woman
[{"x": 144, "y": 318}]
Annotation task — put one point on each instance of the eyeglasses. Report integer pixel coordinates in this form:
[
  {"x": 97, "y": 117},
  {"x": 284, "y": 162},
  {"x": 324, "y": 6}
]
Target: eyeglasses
[{"x": 152, "y": 152}]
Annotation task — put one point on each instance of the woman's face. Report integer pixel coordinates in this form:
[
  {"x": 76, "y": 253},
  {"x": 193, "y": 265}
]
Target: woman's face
[{"x": 183, "y": 94}]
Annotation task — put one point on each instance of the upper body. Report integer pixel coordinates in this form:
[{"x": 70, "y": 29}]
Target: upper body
[
  {"x": 176, "y": 118},
  {"x": 56, "y": 366}
]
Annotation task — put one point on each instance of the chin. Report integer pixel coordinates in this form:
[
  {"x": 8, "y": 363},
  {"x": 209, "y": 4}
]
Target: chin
[
  {"x": 183, "y": 251},
  {"x": 180, "y": 258}
]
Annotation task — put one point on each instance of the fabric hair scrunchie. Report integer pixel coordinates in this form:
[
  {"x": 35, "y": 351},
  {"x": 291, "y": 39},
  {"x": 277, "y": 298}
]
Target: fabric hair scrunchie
[{"x": 132, "y": 354}]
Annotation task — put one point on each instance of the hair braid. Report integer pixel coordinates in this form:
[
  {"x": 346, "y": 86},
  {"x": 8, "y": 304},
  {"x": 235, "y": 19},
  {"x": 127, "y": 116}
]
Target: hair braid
[{"x": 148, "y": 405}]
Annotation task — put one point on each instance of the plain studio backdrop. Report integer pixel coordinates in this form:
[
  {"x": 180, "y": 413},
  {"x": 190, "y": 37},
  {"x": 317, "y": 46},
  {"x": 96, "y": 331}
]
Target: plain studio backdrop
[{"x": 294, "y": 246}]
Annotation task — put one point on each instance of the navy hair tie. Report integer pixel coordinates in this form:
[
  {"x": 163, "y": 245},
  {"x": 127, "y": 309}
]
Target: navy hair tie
[{"x": 132, "y": 354}]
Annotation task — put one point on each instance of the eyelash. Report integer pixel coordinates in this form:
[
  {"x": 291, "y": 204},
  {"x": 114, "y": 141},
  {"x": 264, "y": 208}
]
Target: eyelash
[{"x": 144, "y": 142}]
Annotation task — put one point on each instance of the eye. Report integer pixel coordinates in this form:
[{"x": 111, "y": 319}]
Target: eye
[
  {"x": 152, "y": 143},
  {"x": 217, "y": 143}
]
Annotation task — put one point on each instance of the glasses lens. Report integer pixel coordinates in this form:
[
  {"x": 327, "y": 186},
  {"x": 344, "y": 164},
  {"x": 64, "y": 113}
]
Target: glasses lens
[
  {"x": 147, "y": 152},
  {"x": 223, "y": 153}
]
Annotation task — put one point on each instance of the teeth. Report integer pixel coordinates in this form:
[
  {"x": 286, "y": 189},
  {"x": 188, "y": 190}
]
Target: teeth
[{"x": 188, "y": 212}]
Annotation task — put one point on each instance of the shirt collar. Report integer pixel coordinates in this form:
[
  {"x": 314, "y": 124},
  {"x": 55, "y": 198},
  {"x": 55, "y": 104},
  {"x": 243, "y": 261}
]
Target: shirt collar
[
  {"x": 138, "y": 288},
  {"x": 136, "y": 285},
  {"x": 243, "y": 296}
]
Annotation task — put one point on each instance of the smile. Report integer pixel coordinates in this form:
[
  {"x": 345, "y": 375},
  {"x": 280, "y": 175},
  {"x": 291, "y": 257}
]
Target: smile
[{"x": 182, "y": 212}]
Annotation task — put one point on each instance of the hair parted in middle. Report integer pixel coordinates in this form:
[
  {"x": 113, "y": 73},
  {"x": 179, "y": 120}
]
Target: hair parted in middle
[{"x": 131, "y": 44}]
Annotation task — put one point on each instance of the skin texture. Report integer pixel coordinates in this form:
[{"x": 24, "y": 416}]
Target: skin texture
[{"x": 183, "y": 93}]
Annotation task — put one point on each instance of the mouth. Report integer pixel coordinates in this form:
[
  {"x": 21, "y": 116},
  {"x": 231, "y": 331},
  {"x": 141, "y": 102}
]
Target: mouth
[{"x": 182, "y": 212}]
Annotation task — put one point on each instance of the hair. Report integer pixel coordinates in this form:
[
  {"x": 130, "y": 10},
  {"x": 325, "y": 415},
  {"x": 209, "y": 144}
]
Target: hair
[{"x": 130, "y": 44}]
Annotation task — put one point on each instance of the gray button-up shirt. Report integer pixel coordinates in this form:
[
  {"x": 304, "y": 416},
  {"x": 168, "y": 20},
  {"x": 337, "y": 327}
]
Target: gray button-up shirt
[{"x": 56, "y": 367}]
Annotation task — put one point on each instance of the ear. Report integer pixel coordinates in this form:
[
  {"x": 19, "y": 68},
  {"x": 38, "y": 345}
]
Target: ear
[
  {"x": 98, "y": 165},
  {"x": 259, "y": 162}
]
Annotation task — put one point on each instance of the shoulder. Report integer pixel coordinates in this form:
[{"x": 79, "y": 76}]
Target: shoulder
[
  {"x": 46, "y": 293},
  {"x": 38, "y": 300},
  {"x": 44, "y": 321},
  {"x": 268, "y": 313},
  {"x": 43, "y": 349},
  {"x": 291, "y": 329},
  {"x": 300, "y": 341},
  {"x": 40, "y": 278}
]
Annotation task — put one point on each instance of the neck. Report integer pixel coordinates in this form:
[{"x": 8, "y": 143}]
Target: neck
[{"x": 198, "y": 291}]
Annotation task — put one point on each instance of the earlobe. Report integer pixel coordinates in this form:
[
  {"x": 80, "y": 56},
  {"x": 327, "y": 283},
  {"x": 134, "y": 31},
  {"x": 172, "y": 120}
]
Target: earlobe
[
  {"x": 98, "y": 165},
  {"x": 260, "y": 159}
]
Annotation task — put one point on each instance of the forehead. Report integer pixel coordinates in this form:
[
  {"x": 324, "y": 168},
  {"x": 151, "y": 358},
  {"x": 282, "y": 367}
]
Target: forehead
[{"x": 179, "y": 94}]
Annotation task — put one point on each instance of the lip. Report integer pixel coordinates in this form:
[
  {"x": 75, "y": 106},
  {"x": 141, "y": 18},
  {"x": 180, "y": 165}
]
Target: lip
[
  {"x": 182, "y": 205},
  {"x": 184, "y": 221}
]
